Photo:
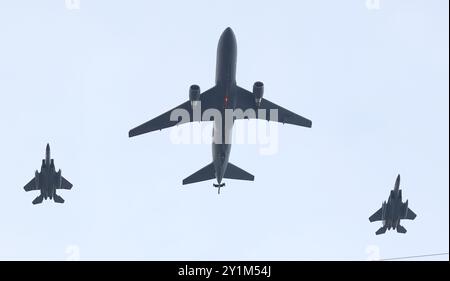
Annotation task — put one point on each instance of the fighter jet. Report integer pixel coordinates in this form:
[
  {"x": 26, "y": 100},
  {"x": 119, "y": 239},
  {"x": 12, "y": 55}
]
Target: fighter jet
[
  {"x": 393, "y": 211},
  {"x": 226, "y": 95},
  {"x": 48, "y": 181}
]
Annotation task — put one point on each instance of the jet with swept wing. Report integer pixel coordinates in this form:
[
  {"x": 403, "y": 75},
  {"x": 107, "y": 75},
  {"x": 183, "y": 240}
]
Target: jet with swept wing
[
  {"x": 392, "y": 211},
  {"x": 48, "y": 181},
  {"x": 224, "y": 97}
]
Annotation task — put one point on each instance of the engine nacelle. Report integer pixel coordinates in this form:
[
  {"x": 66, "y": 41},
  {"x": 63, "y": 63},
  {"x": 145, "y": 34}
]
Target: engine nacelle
[
  {"x": 58, "y": 179},
  {"x": 258, "y": 91},
  {"x": 194, "y": 95},
  {"x": 406, "y": 209},
  {"x": 36, "y": 179}
]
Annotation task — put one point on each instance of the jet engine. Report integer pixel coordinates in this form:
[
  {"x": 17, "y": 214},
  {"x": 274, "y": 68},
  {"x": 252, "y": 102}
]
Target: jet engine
[
  {"x": 36, "y": 179},
  {"x": 58, "y": 179},
  {"x": 258, "y": 91},
  {"x": 194, "y": 95},
  {"x": 405, "y": 211}
]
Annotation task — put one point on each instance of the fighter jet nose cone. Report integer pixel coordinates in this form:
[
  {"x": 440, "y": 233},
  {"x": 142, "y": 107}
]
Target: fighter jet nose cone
[
  {"x": 228, "y": 30},
  {"x": 48, "y": 146}
]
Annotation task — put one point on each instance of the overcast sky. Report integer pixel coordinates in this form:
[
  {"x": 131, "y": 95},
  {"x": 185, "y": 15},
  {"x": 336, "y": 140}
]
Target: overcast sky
[{"x": 372, "y": 77}]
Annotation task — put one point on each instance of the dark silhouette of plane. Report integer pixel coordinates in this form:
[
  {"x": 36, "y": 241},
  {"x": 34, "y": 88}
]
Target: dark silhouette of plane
[
  {"x": 393, "y": 211},
  {"x": 225, "y": 95},
  {"x": 48, "y": 181}
]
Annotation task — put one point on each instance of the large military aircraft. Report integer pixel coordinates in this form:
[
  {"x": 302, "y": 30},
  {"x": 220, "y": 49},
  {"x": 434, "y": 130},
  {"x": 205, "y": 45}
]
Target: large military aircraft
[
  {"x": 48, "y": 181},
  {"x": 225, "y": 96},
  {"x": 393, "y": 211}
]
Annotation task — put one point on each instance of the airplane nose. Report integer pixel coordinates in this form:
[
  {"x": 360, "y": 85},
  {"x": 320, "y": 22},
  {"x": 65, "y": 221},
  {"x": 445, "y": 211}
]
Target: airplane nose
[
  {"x": 228, "y": 33},
  {"x": 227, "y": 42}
]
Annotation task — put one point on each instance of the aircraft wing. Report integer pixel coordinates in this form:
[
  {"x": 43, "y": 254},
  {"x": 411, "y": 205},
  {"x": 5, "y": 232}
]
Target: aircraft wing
[
  {"x": 31, "y": 185},
  {"x": 246, "y": 101},
  {"x": 377, "y": 216},
  {"x": 65, "y": 184},
  {"x": 164, "y": 121},
  {"x": 410, "y": 215}
]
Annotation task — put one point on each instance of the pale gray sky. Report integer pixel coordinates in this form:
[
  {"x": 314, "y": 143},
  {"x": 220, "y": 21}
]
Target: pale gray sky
[{"x": 373, "y": 81}]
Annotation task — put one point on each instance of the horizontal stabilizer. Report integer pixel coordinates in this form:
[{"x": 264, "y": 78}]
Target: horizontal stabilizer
[
  {"x": 236, "y": 173},
  {"x": 206, "y": 173},
  {"x": 401, "y": 229},
  {"x": 38, "y": 200},
  {"x": 410, "y": 215},
  {"x": 382, "y": 230},
  {"x": 58, "y": 199}
]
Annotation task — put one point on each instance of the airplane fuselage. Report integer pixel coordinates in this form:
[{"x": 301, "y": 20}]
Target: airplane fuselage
[
  {"x": 394, "y": 209},
  {"x": 226, "y": 85},
  {"x": 48, "y": 176}
]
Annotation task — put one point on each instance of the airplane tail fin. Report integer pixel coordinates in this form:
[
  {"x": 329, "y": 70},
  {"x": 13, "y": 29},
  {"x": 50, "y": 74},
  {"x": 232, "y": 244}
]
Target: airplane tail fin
[
  {"x": 205, "y": 173},
  {"x": 236, "y": 173},
  {"x": 58, "y": 199},
  {"x": 382, "y": 230},
  {"x": 208, "y": 173},
  {"x": 38, "y": 200},
  {"x": 401, "y": 229}
]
